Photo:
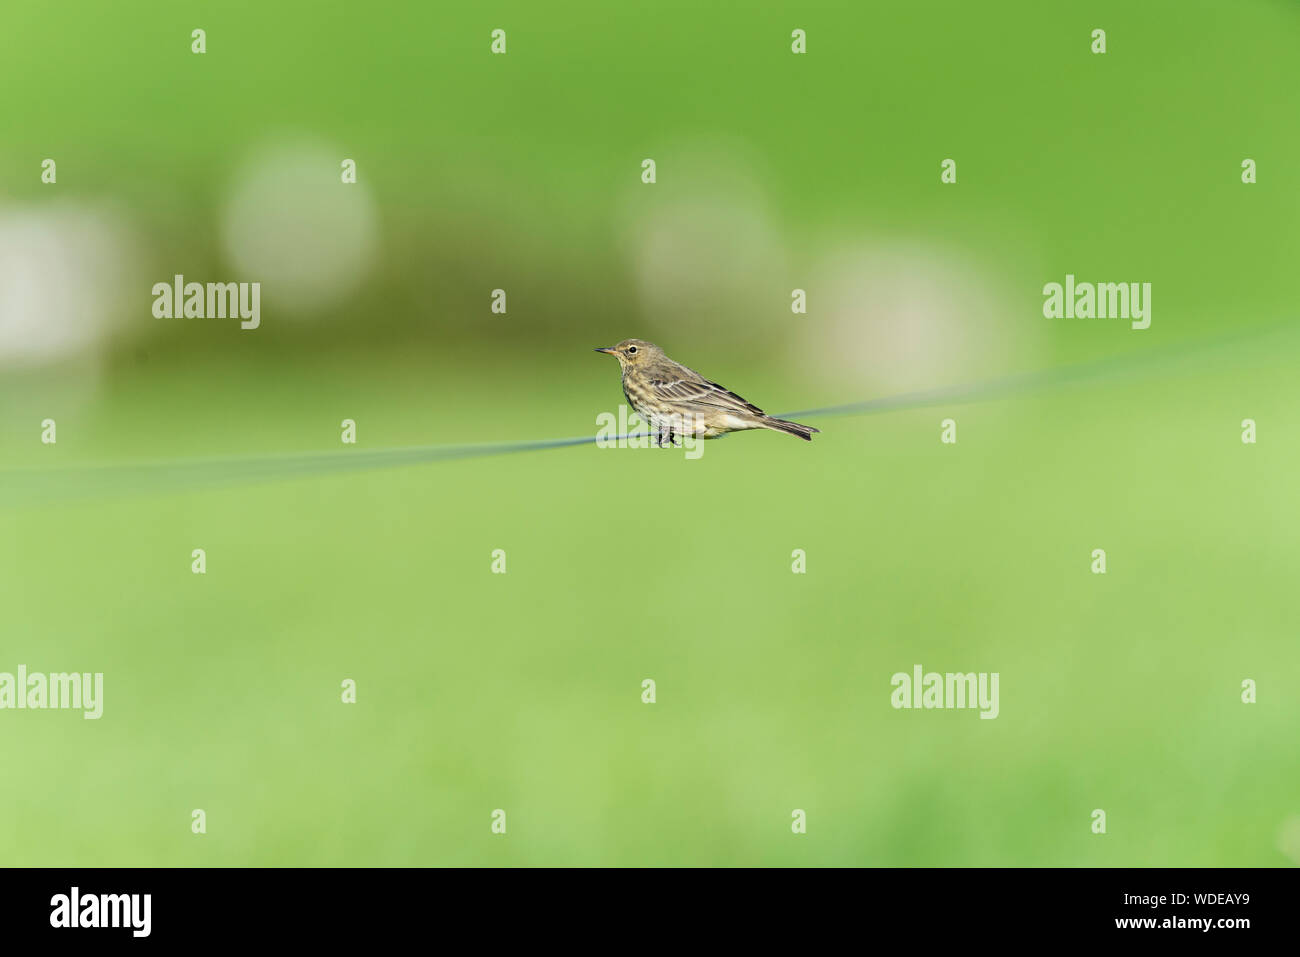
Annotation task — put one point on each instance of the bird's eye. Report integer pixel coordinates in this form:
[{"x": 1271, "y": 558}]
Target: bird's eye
[{"x": 631, "y": 350}]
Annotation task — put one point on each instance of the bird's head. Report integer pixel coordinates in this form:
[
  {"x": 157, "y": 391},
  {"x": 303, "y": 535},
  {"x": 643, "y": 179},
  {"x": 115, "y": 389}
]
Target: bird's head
[{"x": 633, "y": 351}]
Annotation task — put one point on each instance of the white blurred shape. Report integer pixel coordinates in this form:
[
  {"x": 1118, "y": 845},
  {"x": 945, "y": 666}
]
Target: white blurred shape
[
  {"x": 63, "y": 276},
  {"x": 290, "y": 223},
  {"x": 701, "y": 241},
  {"x": 904, "y": 316}
]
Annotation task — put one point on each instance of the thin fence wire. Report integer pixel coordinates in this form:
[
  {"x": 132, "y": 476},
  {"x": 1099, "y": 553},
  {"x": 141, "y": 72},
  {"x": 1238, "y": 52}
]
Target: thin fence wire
[{"x": 72, "y": 482}]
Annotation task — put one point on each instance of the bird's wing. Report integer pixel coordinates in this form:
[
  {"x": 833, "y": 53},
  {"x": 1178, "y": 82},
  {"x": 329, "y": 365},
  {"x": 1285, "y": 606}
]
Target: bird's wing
[{"x": 700, "y": 391}]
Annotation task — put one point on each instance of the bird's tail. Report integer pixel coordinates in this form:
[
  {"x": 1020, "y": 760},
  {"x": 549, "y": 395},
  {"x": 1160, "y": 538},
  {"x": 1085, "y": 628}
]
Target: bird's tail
[{"x": 793, "y": 428}]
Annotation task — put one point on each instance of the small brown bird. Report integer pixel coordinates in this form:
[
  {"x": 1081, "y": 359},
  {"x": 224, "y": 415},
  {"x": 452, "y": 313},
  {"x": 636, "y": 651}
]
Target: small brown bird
[{"x": 675, "y": 400}]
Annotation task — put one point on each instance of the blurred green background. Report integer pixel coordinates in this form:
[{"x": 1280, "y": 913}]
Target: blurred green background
[{"x": 775, "y": 171}]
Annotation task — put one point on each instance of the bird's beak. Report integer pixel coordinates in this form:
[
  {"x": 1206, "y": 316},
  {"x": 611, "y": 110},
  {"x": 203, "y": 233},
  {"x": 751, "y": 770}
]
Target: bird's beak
[{"x": 606, "y": 349}]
